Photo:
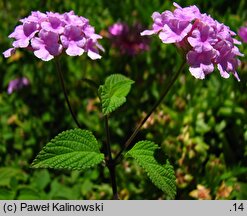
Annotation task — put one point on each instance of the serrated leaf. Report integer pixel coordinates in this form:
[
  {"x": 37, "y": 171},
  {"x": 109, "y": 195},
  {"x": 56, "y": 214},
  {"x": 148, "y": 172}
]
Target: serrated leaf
[
  {"x": 113, "y": 93},
  {"x": 71, "y": 149},
  {"x": 149, "y": 156}
]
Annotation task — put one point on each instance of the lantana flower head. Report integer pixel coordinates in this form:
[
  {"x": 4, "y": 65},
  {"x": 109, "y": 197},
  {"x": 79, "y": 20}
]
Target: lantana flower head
[
  {"x": 242, "y": 32},
  {"x": 49, "y": 34},
  {"x": 17, "y": 84},
  {"x": 127, "y": 38},
  {"x": 205, "y": 42}
]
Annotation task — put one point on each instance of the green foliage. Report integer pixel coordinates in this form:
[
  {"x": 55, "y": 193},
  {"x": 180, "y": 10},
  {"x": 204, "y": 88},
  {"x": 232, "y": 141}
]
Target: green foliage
[
  {"x": 114, "y": 91},
  {"x": 10, "y": 175},
  {"x": 148, "y": 156},
  {"x": 71, "y": 149}
]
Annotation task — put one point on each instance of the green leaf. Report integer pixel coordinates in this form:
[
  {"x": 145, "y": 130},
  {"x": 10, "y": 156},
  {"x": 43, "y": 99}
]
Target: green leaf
[
  {"x": 63, "y": 191},
  {"x": 28, "y": 193},
  {"x": 149, "y": 156},
  {"x": 9, "y": 175},
  {"x": 40, "y": 183},
  {"x": 71, "y": 149},
  {"x": 7, "y": 194},
  {"x": 113, "y": 93}
]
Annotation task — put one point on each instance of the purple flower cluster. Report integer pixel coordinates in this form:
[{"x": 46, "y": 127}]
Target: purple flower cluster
[
  {"x": 17, "y": 84},
  {"x": 242, "y": 32},
  {"x": 205, "y": 41},
  {"x": 127, "y": 38},
  {"x": 48, "y": 34}
]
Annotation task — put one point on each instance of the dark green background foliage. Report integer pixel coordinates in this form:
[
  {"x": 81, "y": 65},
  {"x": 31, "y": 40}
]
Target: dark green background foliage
[{"x": 201, "y": 125}]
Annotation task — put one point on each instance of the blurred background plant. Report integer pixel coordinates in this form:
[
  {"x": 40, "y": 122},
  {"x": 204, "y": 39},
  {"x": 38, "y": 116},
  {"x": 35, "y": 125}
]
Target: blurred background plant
[{"x": 202, "y": 125}]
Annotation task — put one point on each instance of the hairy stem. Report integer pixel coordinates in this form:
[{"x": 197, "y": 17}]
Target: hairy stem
[
  {"x": 109, "y": 161},
  {"x": 138, "y": 128},
  {"x": 61, "y": 79}
]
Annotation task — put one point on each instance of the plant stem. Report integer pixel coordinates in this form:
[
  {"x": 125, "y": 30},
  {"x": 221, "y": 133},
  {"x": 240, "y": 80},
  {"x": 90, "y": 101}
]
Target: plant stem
[
  {"x": 109, "y": 161},
  {"x": 61, "y": 79},
  {"x": 138, "y": 128}
]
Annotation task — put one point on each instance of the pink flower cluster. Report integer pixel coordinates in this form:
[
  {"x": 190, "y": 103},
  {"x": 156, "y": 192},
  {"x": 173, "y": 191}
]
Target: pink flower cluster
[
  {"x": 48, "y": 34},
  {"x": 127, "y": 38},
  {"x": 205, "y": 41},
  {"x": 17, "y": 84},
  {"x": 242, "y": 32}
]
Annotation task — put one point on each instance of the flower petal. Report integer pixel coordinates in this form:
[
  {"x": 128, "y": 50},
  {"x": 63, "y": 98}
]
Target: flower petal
[
  {"x": 74, "y": 50},
  {"x": 93, "y": 55},
  {"x": 9, "y": 52}
]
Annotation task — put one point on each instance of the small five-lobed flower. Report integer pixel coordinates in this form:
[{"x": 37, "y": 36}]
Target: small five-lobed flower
[
  {"x": 205, "y": 42},
  {"x": 48, "y": 34}
]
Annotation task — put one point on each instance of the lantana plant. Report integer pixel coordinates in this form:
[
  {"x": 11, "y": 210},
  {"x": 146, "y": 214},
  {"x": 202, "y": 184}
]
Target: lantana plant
[
  {"x": 17, "y": 84},
  {"x": 203, "y": 42},
  {"x": 127, "y": 39},
  {"x": 242, "y": 32}
]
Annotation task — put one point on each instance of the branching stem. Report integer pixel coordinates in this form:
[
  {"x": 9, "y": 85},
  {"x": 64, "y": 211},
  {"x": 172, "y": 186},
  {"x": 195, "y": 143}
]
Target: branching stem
[
  {"x": 127, "y": 144},
  {"x": 109, "y": 161}
]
